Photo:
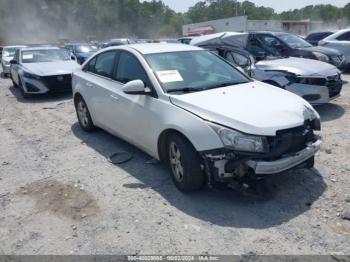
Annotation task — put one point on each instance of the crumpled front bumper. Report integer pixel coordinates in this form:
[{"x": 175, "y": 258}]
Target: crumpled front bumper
[
  {"x": 314, "y": 94},
  {"x": 283, "y": 164}
]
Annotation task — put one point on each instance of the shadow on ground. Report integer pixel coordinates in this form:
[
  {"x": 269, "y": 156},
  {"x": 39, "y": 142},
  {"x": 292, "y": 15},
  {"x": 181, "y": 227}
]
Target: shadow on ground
[
  {"x": 330, "y": 112},
  {"x": 281, "y": 198},
  {"x": 43, "y": 98}
]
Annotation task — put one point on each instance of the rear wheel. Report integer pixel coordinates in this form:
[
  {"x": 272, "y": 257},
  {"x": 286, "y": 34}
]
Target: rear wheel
[
  {"x": 83, "y": 115},
  {"x": 185, "y": 164}
]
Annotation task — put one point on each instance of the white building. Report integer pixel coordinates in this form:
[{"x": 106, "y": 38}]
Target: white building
[
  {"x": 238, "y": 23},
  {"x": 235, "y": 24}
]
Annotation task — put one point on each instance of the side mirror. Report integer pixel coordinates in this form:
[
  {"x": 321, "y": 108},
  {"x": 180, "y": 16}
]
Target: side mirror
[
  {"x": 135, "y": 87},
  {"x": 13, "y": 62}
]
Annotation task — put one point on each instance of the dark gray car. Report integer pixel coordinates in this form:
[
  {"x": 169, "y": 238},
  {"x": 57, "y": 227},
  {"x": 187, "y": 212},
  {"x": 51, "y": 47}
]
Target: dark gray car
[{"x": 286, "y": 44}]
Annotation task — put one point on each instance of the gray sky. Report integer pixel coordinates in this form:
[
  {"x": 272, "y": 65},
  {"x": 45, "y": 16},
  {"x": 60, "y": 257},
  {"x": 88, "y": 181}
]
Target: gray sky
[{"x": 278, "y": 5}]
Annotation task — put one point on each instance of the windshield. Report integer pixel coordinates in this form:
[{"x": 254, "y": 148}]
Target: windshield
[
  {"x": 9, "y": 52},
  {"x": 86, "y": 48},
  {"x": 293, "y": 41},
  {"x": 193, "y": 71},
  {"x": 45, "y": 55}
]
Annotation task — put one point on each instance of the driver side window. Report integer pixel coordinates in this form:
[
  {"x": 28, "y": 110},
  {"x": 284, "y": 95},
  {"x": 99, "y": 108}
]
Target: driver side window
[
  {"x": 270, "y": 41},
  {"x": 129, "y": 68}
]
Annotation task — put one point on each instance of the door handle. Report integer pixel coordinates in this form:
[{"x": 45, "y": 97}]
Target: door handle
[
  {"x": 88, "y": 84},
  {"x": 114, "y": 97}
]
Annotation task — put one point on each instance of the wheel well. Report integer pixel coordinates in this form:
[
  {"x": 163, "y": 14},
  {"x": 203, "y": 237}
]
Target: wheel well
[
  {"x": 76, "y": 96},
  {"x": 162, "y": 142}
]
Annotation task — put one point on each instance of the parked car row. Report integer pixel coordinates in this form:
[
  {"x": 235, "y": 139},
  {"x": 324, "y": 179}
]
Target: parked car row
[
  {"x": 315, "y": 81},
  {"x": 228, "y": 107}
]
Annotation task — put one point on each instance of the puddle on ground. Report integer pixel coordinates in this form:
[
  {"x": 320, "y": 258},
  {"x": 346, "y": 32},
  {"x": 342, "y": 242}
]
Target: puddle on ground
[{"x": 61, "y": 199}]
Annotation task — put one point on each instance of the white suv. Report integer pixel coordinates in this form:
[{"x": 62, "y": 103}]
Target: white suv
[{"x": 195, "y": 112}]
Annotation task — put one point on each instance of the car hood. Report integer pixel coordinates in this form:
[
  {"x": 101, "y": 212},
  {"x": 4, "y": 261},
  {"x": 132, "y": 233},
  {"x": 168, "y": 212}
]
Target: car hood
[
  {"x": 52, "y": 68},
  {"x": 298, "y": 66},
  {"x": 324, "y": 50},
  {"x": 253, "y": 108}
]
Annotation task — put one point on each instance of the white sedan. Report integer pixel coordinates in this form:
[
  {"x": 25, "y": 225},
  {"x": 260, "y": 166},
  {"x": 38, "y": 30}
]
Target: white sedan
[
  {"x": 340, "y": 41},
  {"x": 39, "y": 70},
  {"x": 194, "y": 111}
]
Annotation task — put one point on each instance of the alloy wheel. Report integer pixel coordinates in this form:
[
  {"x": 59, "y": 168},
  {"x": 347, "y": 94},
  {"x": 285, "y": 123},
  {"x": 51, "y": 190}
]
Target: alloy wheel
[
  {"x": 176, "y": 161},
  {"x": 83, "y": 113}
]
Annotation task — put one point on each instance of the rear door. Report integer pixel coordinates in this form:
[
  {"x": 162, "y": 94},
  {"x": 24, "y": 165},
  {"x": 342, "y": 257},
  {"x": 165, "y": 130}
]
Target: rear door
[{"x": 97, "y": 83}]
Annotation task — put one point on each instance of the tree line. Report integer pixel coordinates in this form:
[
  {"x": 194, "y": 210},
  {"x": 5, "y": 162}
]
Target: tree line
[{"x": 47, "y": 20}]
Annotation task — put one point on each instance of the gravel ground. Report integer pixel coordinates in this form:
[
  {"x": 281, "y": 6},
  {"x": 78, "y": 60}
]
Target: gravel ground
[{"x": 59, "y": 194}]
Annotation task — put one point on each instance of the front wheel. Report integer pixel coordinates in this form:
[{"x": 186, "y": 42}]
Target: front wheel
[
  {"x": 21, "y": 89},
  {"x": 185, "y": 164},
  {"x": 14, "y": 83},
  {"x": 83, "y": 115}
]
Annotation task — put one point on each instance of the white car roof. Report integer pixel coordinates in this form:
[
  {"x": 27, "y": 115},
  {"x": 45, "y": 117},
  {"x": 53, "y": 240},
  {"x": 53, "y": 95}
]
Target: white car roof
[
  {"x": 219, "y": 38},
  {"x": 40, "y": 48},
  {"x": 14, "y": 46},
  {"x": 154, "y": 48},
  {"x": 336, "y": 34}
]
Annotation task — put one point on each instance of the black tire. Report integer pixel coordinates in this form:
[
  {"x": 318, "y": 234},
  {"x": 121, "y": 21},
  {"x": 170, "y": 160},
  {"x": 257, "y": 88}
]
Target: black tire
[
  {"x": 84, "y": 118},
  {"x": 310, "y": 163},
  {"x": 193, "y": 177},
  {"x": 21, "y": 89},
  {"x": 14, "y": 83}
]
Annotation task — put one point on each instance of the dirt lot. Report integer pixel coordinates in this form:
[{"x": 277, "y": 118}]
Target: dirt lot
[{"x": 59, "y": 194}]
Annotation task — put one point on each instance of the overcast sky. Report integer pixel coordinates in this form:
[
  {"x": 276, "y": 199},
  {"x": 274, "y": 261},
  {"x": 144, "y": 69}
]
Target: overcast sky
[{"x": 278, "y": 5}]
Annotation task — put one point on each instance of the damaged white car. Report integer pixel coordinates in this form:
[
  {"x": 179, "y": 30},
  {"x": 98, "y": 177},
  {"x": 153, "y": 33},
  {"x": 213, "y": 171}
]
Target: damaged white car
[
  {"x": 196, "y": 112},
  {"x": 315, "y": 81}
]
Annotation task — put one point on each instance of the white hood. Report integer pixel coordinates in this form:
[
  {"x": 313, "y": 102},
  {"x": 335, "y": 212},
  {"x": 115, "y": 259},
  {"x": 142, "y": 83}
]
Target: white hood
[
  {"x": 52, "y": 68},
  {"x": 253, "y": 108},
  {"x": 299, "y": 66}
]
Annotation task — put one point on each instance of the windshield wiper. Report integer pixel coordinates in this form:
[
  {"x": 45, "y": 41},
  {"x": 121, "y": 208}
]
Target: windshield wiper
[
  {"x": 184, "y": 89},
  {"x": 224, "y": 84}
]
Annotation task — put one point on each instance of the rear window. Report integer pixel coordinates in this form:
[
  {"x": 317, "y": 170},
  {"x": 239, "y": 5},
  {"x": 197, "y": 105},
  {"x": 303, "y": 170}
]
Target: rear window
[
  {"x": 318, "y": 36},
  {"x": 344, "y": 37}
]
